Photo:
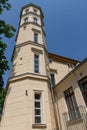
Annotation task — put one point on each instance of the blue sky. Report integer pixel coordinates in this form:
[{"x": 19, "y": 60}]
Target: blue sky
[{"x": 65, "y": 26}]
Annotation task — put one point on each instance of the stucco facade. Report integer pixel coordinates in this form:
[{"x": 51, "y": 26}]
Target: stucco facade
[{"x": 35, "y": 87}]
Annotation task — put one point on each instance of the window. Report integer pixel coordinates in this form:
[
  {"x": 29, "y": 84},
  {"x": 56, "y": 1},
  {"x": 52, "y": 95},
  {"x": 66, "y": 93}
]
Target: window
[
  {"x": 36, "y": 37},
  {"x": 35, "y": 20},
  {"x": 83, "y": 87},
  {"x": 73, "y": 110},
  {"x": 52, "y": 79},
  {"x": 37, "y": 108},
  {"x": 36, "y": 63},
  {"x": 26, "y": 20},
  {"x": 35, "y": 11},
  {"x": 70, "y": 65},
  {"x": 26, "y": 11}
]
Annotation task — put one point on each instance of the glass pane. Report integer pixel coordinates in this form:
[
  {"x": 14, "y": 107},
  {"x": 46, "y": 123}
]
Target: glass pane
[
  {"x": 37, "y": 104},
  {"x": 37, "y": 95},
  {"x": 37, "y": 112},
  {"x": 37, "y": 119}
]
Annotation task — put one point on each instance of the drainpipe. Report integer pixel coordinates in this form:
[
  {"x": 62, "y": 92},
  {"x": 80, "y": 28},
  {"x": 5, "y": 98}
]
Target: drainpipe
[
  {"x": 53, "y": 100},
  {"x": 60, "y": 124}
]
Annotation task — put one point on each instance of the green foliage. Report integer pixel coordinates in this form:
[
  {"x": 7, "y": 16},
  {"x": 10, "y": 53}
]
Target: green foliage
[
  {"x": 6, "y": 31},
  {"x": 2, "y": 98}
]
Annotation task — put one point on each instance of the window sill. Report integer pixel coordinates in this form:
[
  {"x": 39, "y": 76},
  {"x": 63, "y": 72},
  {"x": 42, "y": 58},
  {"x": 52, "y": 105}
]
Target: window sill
[
  {"x": 75, "y": 121},
  {"x": 39, "y": 126}
]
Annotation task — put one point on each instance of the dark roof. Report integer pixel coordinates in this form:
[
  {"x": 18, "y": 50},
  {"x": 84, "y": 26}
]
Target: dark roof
[
  {"x": 79, "y": 65},
  {"x": 31, "y": 4},
  {"x": 62, "y": 59}
]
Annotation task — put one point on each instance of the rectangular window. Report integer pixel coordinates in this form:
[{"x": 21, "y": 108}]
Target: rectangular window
[
  {"x": 36, "y": 37},
  {"x": 37, "y": 108},
  {"x": 73, "y": 110},
  {"x": 83, "y": 87},
  {"x": 36, "y": 63},
  {"x": 52, "y": 79}
]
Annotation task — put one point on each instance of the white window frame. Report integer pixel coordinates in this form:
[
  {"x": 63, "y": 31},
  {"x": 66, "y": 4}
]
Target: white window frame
[{"x": 38, "y": 100}]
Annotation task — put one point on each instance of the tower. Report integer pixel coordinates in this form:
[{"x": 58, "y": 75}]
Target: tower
[{"x": 28, "y": 103}]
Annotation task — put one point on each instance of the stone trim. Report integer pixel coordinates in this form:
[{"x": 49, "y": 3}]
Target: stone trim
[
  {"x": 36, "y": 50},
  {"x": 53, "y": 70},
  {"x": 75, "y": 121},
  {"x": 35, "y": 30},
  {"x": 39, "y": 126}
]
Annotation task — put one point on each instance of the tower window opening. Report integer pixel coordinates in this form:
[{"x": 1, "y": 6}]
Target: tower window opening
[
  {"x": 26, "y": 20},
  {"x": 35, "y": 20},
  {"x": 36, "y": 63},
  {"x": 52, "y": 76},
  {"x": 26, "y": 11},
  {"x": 37, "y": 108},
  {"x": 36, "y": 37},
  {"x": 35, "y": 11}
]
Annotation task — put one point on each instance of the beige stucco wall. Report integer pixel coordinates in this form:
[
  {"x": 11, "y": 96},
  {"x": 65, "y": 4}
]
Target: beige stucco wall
[
  {"x": 71, "y": 80},
  {"x": 27, "y": 34},
  {"x": 26, "y": 64},
  {"x": 18, "y": 110},
  {"x": 61, "y": 68}
]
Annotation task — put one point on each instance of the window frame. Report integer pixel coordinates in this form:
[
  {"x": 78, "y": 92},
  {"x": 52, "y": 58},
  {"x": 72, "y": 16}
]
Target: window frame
[
  {"x": 52, "y": 79},
  {"x": 36, "y": 108},
  {"x": 36, "y": 63},
  {"x": 72, "y": 106},
  {"x": 25, "y": 19},
  {"x": 83, "y": 91},
  {"x": 35, "y": 20},
  {"x": 35, "y": 37}
]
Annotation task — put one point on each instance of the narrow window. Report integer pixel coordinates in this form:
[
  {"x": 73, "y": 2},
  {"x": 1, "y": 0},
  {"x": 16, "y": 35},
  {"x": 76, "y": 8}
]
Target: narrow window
[
  {"x": 35, "y": 11},
  {"x": 26, "y": 11},
  {"x": 36, "y": 37},
  {"x": 73, "y": 110},
  {"x": 37, "y": 108},
  {"x": 83, "y": 87},
  {"x": 36, "y": 63},
  {"x": 52, "y": 79},
  {"x": 26, "y": 20},
  {"x": 35, "y": 20}
]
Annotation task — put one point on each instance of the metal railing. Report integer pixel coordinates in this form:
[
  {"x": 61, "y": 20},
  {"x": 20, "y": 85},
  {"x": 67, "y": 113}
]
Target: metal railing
[{"x": 76, "y": 119}]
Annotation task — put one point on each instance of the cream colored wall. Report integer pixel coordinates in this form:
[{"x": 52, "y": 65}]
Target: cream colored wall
[
  {"x": 26, "y": 64},
  {"x": 18, "y": 113},
  {"x": 27, "y": 34},
  {"x": 30, "y": 18},
  {"x": 30, "y": 10},
  {"x": 62, "y": 70},
  {"x": 71, "y": 80}
]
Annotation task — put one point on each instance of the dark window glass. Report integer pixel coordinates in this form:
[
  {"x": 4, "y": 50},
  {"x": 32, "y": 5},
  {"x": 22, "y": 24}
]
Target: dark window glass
[
  {"x": 83, "y": 87},
  {"x": 26, "y": 20},
  {"x": 37, "y": 120},
  {"x": 37, "y": 104},
  {"x": 52, "y": 79},
  {"x": 37, "y": 107},
  {"x": 35, "y": 37},
  {"x": 36, "y": 63},
  {"x": 35, "y": 11},
  {"x": 71, "y": 104},
  {"x": 26, "y": 11},
  {"x": 35, "y": 20},
  {"x": 37, "y": 112}
]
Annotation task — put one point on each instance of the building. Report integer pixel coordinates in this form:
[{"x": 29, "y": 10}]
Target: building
[{"x": 44, "y": 90}]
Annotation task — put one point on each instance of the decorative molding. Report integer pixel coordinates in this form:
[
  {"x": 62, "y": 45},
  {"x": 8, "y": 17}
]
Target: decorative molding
[
  {"x": 37, "y": 50},
  {"x": 53, "y": 70},
  {"x": 39, "y": 126},
  {"x": 35, "y": 30}
]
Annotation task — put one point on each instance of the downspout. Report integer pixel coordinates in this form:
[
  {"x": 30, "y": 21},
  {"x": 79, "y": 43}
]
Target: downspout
[
  {"x": 60, "y": 124},
  {"x": 53, "y": 100}
]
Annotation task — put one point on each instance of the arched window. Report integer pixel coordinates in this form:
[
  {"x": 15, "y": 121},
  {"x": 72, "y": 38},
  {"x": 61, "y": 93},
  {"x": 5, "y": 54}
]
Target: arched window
[
  {"x": 25, "y": 20},
  {"x": 35, "y": 20}
]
